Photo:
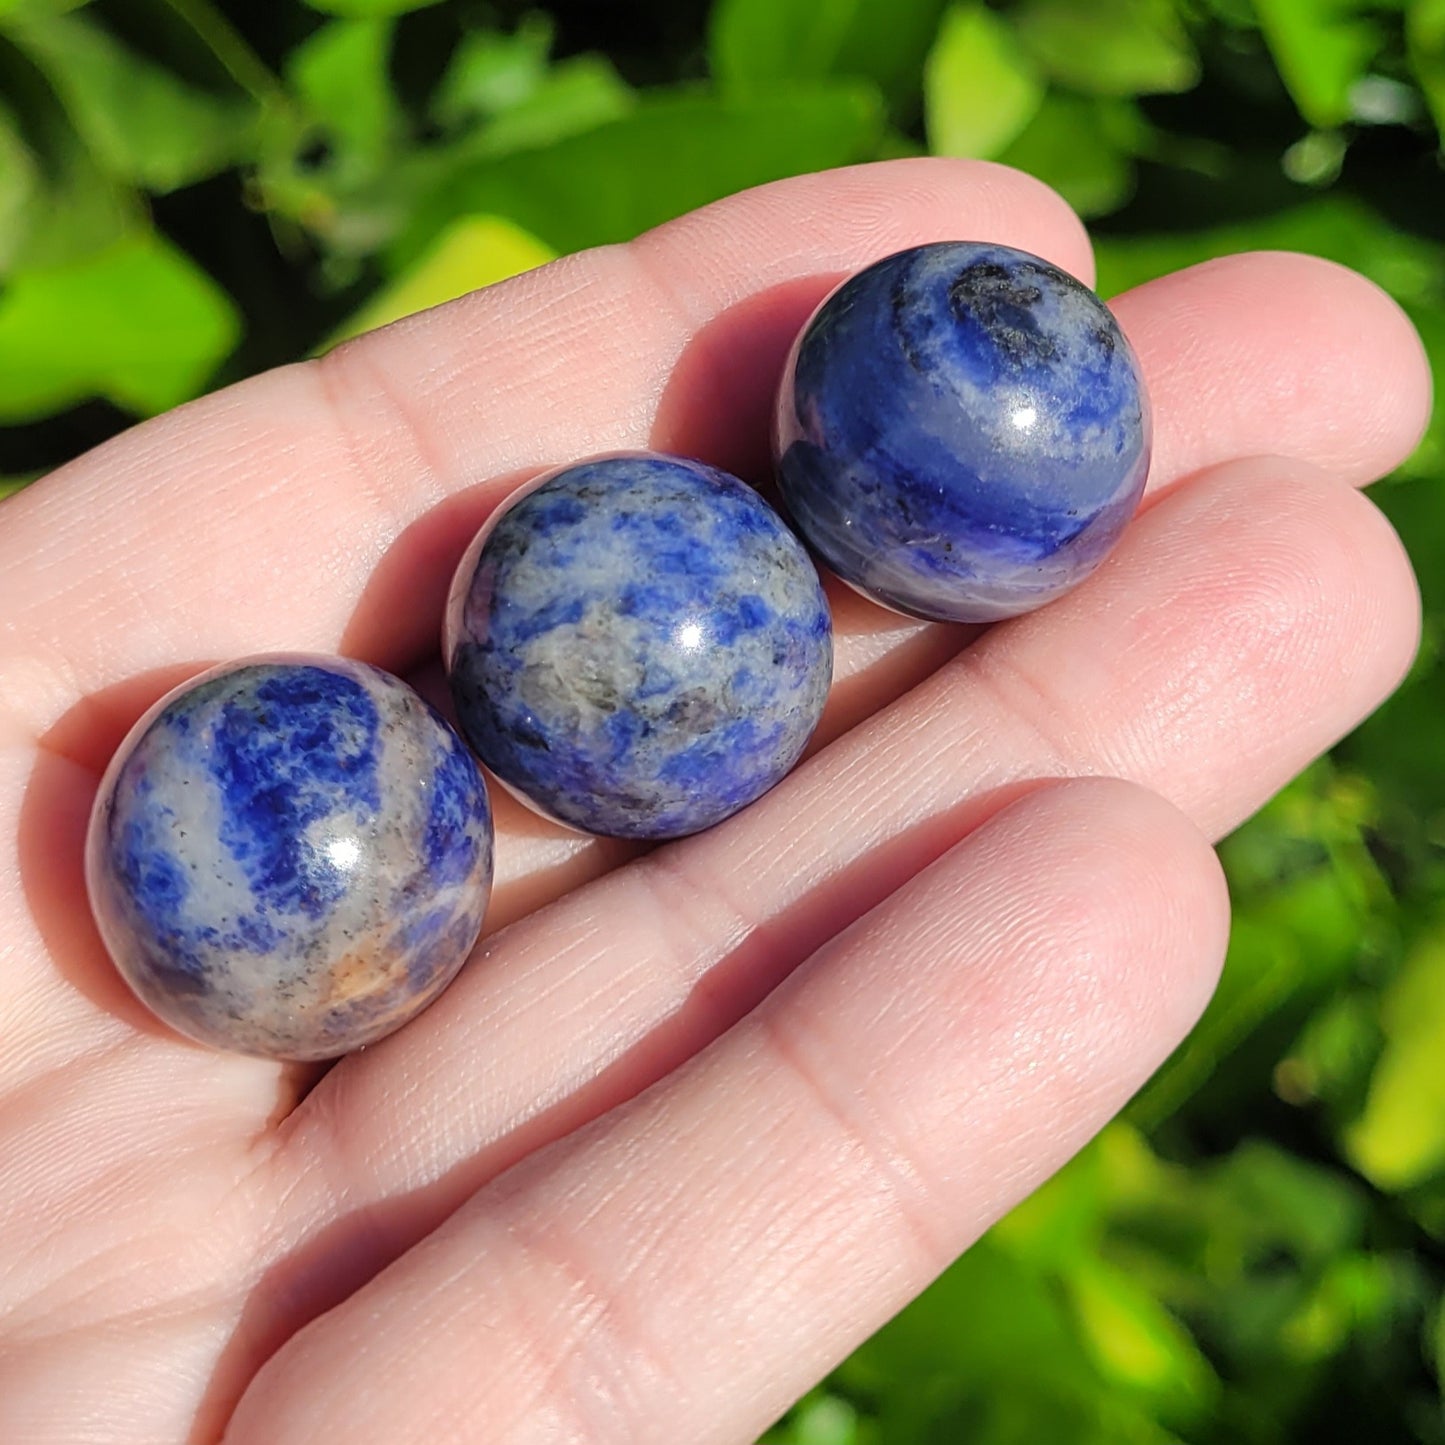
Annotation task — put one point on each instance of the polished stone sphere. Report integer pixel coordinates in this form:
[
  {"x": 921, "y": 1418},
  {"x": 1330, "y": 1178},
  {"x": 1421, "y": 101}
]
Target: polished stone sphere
[
  {"x": 638, "y": 646},
  {"x": 290, "y": 856},
  {"x": 962, "y": 432}
]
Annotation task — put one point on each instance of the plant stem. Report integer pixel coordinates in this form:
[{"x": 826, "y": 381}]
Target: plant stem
[{"x": 229, "y": 47}]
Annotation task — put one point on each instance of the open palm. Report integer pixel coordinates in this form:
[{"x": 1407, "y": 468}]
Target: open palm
[{"x": 690, "y": 1125}]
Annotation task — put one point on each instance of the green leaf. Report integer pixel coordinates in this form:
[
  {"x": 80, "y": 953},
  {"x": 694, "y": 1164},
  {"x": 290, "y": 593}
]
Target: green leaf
[
  {"x": 140, "y": 323},
  {"x": 140, "y": 122},
  {"x": 1335, "y": 227},
  {"x": 1355, "y": 1293},
  {"x": 1062, "y": 1220},
  {"x": 340, "y": 75},
  {"x": 1110, "y": 47},
  {"x": 1079, "y": 146},
  {"x": 818, "y": 1419},
  {"x": 10, "y": 485},
  {"x": 56, "y": 205},
  {"x": 1137, "y": 1343},
  {"x": 1322, "y": 47},
  {"x": 1425, "y": 36},
  {"x": 979, "y": 89},
  {"x": 575, "y": 96},
  {"x": 676, "y": 151},
  {"x": 1437, "y": 1343},
  {"x": 760, "y": 45},
  {"x": 491, "y": 72},
  {"x": 369, "y": 9},
  {"x": 1274, "y": 1198},
  {"x": 504, "y": 82},
  {"x": 20, "y": 190},
  {"x": 473, "y": 252},
  {"x": 1399, "y": 1140}
]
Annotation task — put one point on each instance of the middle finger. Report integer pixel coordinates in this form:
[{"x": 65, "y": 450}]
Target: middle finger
[{"x": 1248, "y": 620}]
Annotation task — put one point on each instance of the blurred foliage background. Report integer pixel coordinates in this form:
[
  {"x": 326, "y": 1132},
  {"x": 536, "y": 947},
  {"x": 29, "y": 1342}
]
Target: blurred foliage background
[{"x": 191, "y": 190}]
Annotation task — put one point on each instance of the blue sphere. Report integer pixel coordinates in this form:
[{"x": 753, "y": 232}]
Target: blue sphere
[
  {"x": 962, "y": 432},
  {"x": 290, "y": 856},
  {"x": 638, "y": 646}
]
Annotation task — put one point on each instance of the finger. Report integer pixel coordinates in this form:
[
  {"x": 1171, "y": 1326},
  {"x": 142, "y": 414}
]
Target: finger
[
  {"x": 691, "y": 1264},
  {"x": 1281, "y": 354},
  {"x": 323, "y": 503},
  {"x": 337, "y": 497},
  {"x": 1247, "y": 621}
]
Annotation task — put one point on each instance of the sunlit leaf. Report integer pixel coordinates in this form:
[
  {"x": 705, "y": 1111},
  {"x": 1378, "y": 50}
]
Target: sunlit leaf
[
  {"x": 979, "y": 89},
  {"x": 140, "y": 122},
  {"x": 1354, "y": 1293},
  {"x": 1399, "y": 1140},
  {"x": 576, "y": 96},
  {"x": 1322, "y": 47},
  {"x": 473, "y": 252},
  {"x": 1437, "y": 1343},
  {"x": 1063, "y": 1219},
  {"x": 1110, "y": 47},
  {"x": 140, "y": 324},
  {"x": 1137, "y": 1343},
  {"x": 505, "y": 82},
  {"x": 818, "y": 1419},
  {"x": 492, "y": 71},
  {"x": 340, "y": 75}
]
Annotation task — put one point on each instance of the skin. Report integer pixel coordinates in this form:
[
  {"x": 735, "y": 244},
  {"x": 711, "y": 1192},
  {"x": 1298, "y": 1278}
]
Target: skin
[{"x": 877, "y": 1008}]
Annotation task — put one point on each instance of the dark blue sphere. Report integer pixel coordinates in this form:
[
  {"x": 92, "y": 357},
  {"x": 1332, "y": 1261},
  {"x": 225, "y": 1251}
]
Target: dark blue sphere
[
  {"x": 962, "y": 431},
  {"x": 290, "y": 856},
  {"x": 638, "y": 646}
]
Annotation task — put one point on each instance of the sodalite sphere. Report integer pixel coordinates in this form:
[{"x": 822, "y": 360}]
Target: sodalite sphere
[
  {"x": 290, "y": 856},
  {"x": 638, "y": 646},
  {"x": 962, "y": 432}
]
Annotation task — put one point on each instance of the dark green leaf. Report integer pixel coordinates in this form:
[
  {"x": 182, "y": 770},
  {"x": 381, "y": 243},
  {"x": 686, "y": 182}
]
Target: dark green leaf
[
  {"x": 10, "y": 485},
  {"x": 61, "y": 206},
  {"x": 1110, "y": 47},
  {"x": 1335, "y": 227},
  {"x": 140, "y": 122},
  {"x": 1425, "y": 31},
  {"x": 674, "y": 152},
  {"x": 759, "y": 45},
  {"x": 1082, "y": 148},
  {"x": 369, "y": 9}
]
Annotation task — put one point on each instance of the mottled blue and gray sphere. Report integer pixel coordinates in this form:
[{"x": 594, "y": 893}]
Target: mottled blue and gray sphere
[
  {"x": 638, "y": 646},
  {"x": 290, "y": 856},
  {"x": 962, "y": 432}
]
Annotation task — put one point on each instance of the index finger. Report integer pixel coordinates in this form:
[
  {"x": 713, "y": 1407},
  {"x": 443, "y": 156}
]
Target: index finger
[{"x": 253, "y": 519}]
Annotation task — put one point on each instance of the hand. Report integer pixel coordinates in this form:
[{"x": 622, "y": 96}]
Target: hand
[{"x": 694, "y": 1124}]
